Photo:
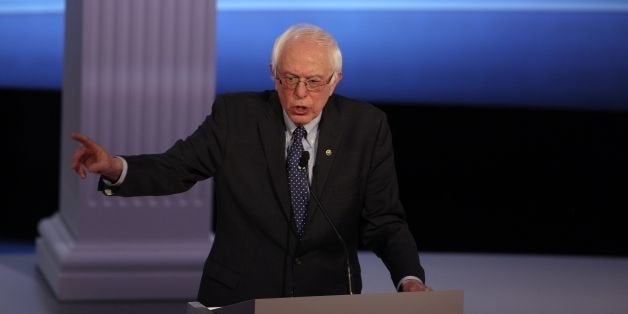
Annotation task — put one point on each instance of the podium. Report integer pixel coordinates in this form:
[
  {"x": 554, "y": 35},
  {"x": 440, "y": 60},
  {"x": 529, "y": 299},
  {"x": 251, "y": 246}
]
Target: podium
[{"x": 434, "y": 302}]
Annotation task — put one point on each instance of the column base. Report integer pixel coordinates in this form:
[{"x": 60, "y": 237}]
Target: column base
[{"x": 100, "y": 270}]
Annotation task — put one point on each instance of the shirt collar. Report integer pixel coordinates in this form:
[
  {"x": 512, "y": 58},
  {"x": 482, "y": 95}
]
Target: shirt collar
[{"x": 311, "y": 127}]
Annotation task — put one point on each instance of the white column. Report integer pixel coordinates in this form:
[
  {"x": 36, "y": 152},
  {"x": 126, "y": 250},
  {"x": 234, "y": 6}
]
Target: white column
[{"x": 138, "y": 74}]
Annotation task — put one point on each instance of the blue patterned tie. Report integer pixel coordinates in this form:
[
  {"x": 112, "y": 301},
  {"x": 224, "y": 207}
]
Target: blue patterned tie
[{"x": 297, "y": 180}]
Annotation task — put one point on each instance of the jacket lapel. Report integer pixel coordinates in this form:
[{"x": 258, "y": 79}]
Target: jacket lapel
[
  {"x": 272, "y": 130},
  {"x": 329, "y": 136}
]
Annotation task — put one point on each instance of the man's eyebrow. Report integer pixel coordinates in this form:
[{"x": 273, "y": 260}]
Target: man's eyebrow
[{"x": 288, "y": 73}]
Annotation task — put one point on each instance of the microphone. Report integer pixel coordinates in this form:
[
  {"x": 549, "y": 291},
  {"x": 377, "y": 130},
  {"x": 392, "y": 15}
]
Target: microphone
[
  {"x": 303, "y": 161},
  {"x": 305, "y": 157}
]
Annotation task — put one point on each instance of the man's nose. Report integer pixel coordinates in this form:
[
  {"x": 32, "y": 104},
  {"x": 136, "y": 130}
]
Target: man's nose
[{"x": 300, "y": 90}]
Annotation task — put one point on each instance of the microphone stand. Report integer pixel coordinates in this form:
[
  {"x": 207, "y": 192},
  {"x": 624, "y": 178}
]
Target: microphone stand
[{"x": 303, "y": 165}]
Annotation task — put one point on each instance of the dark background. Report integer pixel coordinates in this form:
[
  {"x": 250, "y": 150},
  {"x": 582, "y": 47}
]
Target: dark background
[{"x": 477, "y": 179}]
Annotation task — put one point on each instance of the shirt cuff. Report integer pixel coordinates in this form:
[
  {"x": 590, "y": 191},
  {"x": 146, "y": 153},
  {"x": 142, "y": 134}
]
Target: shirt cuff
[
  {"x": 125, "y": 167},
  {"x": 407, "y": 278}
]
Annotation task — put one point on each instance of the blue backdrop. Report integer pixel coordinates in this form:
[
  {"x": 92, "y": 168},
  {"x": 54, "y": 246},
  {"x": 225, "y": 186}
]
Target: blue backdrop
[{"x": 570, "y": 54}]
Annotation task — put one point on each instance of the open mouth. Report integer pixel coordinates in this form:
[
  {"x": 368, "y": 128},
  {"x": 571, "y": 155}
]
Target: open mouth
[{"x": 299, "y": 110}]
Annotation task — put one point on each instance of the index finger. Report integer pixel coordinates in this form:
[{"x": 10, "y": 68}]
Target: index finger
[{"x": 82, "y": 139}]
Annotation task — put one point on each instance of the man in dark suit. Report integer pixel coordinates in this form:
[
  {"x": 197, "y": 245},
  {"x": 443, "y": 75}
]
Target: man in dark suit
[{"x": 276, "y": 208}]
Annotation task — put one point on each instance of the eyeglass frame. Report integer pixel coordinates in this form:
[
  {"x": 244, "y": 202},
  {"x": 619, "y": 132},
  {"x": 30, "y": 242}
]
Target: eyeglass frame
[{"x": 306, "y": 82}]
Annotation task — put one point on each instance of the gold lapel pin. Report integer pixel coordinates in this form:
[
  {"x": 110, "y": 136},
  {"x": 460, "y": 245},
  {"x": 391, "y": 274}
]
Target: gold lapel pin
[{"x": 328, "y": 152}]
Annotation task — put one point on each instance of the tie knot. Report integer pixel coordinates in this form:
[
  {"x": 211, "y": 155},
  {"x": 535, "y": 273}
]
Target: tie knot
[{"x": 299, "y": 133}]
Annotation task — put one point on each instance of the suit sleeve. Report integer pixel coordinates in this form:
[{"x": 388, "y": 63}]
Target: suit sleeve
[
  {"x": 385, "y": 229},
  {"x": 189, "y": 160}
]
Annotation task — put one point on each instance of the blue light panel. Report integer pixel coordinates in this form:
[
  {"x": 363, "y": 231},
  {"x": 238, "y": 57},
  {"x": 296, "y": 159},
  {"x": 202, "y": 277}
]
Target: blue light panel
[{"x": 518, "y": 53}]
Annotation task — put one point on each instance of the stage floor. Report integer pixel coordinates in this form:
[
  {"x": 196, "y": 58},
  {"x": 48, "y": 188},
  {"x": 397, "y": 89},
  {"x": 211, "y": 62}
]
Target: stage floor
[{"x": 492, "y": 283}]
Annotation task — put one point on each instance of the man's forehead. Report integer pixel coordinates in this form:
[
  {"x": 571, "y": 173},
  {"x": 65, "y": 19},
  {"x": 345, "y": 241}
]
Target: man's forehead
[{"x": 302, "y": 58}]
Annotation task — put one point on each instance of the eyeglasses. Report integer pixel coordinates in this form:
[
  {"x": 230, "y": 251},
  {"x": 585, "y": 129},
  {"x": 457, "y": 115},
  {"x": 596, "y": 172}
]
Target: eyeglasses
[{"x": 311, "y": 84}]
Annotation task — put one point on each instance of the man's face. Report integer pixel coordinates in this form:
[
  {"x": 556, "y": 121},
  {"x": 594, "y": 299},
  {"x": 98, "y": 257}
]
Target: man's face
[{"x": 306, "y": 60}]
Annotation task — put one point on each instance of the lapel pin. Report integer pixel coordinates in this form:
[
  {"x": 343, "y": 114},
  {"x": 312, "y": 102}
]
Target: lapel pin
[{"x": 328, "y": 152}]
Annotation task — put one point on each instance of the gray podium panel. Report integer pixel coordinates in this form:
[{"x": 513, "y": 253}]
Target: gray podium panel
[{"x": 436, "y": 302}]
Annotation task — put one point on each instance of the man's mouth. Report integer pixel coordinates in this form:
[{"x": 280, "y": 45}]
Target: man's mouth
[{"x": 299, "y": 109}]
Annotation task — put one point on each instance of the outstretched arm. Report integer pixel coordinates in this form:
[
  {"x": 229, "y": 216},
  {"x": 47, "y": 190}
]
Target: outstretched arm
[{"x": 91, "y": 157}]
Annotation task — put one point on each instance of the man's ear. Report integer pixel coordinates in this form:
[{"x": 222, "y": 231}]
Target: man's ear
[
  {"x": 270, "y": 68},
  {"x": 337, "y": 78}
]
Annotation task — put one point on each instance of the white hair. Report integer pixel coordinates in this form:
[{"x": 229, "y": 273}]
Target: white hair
[{"x": 314, "y": 32}]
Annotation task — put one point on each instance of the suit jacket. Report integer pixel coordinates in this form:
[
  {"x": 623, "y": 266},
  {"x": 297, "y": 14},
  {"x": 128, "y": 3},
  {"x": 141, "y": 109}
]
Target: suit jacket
[{"x": 256, "y": 253}]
